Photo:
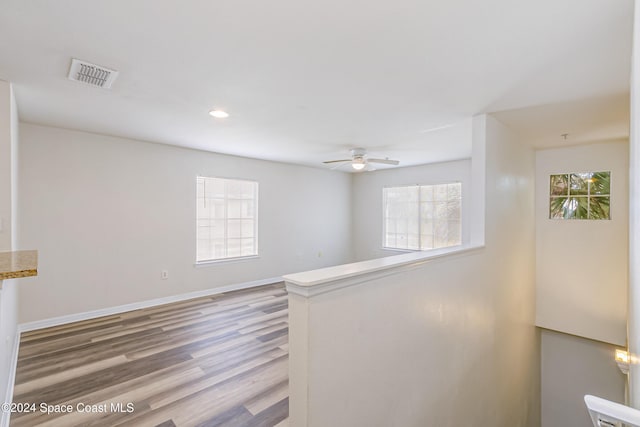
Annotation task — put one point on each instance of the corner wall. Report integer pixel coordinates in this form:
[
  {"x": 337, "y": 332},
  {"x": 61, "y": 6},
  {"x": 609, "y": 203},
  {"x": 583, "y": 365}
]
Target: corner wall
[
  {"x": 572, "y": 367},
  {"x": 8, "y": 218},
  {"x": 6, "y": 170},
  {"x": 581, "y": 282},
  {"x": 581, "y": 265},
  {"x": 633, "y": 331},
  {"x": 448, "y": 341},
  {"x": 108, "y": 214}
]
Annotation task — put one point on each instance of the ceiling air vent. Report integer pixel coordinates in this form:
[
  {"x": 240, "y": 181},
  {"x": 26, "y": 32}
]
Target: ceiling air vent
[{"x": 91, "y": 74}]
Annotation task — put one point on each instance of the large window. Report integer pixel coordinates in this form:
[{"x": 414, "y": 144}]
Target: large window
[
  {"x": 584, "y": 195},
  {"x": 227, "y": 218},
  {"x": 420, "y": 217}
]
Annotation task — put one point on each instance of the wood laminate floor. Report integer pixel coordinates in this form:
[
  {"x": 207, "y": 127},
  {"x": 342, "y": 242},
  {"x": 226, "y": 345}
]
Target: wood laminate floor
[{"x": 214, "y": 361}]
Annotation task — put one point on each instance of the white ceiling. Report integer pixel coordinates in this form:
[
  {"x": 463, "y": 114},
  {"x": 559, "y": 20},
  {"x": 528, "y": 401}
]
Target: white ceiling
[
  {"x": 604, "y": 118},
  {"x": 305, "y": 81}
]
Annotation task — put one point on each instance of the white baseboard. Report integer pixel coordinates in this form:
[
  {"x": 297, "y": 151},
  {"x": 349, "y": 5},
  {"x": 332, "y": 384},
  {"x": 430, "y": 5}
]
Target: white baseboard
[
  {"x": 56, "y": 321},
  {"x": 5, "y": 415}
]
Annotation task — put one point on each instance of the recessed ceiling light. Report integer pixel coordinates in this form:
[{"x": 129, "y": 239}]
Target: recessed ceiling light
[{"x": 219, "y": 114}]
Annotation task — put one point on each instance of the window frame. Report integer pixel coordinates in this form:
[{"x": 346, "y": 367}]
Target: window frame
[
  {"x": 255, "y": 199},
  {"x": 588, "y": 196},
  {"x": 384, "y": 218}
]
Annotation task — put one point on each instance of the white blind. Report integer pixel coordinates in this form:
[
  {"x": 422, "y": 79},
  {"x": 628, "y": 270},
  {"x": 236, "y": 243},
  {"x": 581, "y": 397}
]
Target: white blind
[
  {"x": 420, "y": 217},
  {"x": 227, "y": 218}
]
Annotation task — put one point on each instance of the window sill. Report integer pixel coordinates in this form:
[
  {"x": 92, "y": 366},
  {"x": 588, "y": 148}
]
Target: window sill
[
  {"x": 201, "y": 264},
  {"x": 410, "y": 251},
  {"x": 406, "y": 251}
]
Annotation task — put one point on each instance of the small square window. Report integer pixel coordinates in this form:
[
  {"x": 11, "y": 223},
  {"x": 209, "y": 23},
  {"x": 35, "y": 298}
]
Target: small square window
[{"x": 584, "y": 195}]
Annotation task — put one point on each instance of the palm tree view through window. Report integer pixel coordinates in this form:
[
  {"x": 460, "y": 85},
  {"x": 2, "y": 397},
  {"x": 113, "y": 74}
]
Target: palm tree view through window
[{"x": 583, "y": 195}]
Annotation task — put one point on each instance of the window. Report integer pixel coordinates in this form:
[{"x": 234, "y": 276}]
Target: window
[
  {"x": 580, "y": 196},
  {"x": 420, "y": 217},
  {"x": 227, "y": 218}
]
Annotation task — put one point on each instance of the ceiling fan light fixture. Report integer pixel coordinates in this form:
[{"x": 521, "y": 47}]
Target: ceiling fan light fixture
[
  {"x": 219, "y": 114},
  {"x": 360, "y": 162}
]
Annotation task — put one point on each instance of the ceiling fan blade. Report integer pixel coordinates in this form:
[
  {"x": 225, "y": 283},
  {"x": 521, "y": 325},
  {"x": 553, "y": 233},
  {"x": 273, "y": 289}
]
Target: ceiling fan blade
[
  {"x": 337, "y": 161},
  {"x": 384, "y": 161},
  {"x": 338, "y": 166}
]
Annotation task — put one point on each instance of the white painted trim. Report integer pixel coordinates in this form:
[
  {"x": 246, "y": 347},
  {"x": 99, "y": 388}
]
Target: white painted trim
[
  {"x": 316, "y": 282},
  {"x": 4, "y": 419},
  {"x": 404, "y": 251},
  {"x": 212, "y": 262},
  {"x": 478, "y": 180},
  {"x": 542, "y": 324},
  {"x": 56, "y": 321}
]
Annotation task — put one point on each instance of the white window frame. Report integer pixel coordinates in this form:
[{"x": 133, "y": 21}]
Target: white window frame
[
  {"x": 255, "y": 253},
  {"x": 569, "y": 195},
  {"x": 384, "y": 216}
]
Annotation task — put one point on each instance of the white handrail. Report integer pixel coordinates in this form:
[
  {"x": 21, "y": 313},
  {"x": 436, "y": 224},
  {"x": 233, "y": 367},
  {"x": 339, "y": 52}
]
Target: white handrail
[{"x": 605, "y": 413}]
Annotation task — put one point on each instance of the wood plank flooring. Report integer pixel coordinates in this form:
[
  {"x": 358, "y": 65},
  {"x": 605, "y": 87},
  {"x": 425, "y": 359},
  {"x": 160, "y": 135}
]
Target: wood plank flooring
[{"x": 214, "y": 361}]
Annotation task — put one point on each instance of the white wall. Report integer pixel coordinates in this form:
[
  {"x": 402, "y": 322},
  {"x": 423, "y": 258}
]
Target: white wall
[
  {"x": 581, "y": 266},
  {"x": 634, "y": 223},
  {"x": 8, "y": 324},
  {"x": 572, "y": 367},
  {"x": 108, "y": 214},
  {"x": 450, "y": 342},
  {"x": 8, "y": 202},
  {"x": 5, "y": 165},
  {"x": 367, "y": 200},
  {"x": 14, "y": 170}
]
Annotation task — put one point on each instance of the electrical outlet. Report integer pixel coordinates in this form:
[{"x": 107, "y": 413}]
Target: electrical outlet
[{"x": 164, "y": 274}]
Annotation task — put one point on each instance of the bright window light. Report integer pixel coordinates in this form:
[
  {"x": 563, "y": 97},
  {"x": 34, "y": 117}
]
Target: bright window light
[
  {"x": 421, "y": 217},
  {"x": 227, "y": 218}
]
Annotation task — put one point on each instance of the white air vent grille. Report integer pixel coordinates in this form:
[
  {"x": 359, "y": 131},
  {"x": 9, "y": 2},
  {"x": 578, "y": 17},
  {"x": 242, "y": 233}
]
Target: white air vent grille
[{"x": 91, "y": 74}]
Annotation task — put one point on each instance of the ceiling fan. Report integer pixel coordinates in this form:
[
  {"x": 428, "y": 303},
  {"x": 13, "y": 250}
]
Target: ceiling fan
[{"x": 359, "y": 160}]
